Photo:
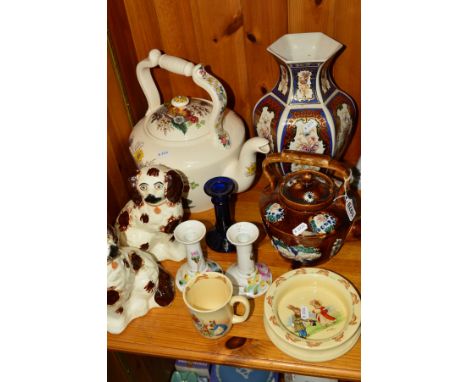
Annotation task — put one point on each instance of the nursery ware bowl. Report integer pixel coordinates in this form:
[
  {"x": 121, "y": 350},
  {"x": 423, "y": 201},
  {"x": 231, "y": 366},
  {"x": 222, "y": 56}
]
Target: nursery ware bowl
[{"x": 312, "y": 314}]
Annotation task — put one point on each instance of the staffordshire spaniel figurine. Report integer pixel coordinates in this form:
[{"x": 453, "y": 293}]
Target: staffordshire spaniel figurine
[
  {"x": 136, "y": 283},
  {"x": 148, "y": 220}
]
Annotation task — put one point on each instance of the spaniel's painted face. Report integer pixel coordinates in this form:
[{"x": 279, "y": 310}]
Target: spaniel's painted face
[{"x": 152, "y": 185}]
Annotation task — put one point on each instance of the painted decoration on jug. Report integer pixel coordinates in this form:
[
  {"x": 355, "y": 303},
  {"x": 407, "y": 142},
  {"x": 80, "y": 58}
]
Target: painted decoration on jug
[
  {"x": 266, "y": 118},
  {"x": 308, "y": 320},
  {"x": 210, "y": 328},
  {"x": 293, "y": 251},
  {"x": 322, "y": 223},
  {"x": 274, "y": 213},
  {"x": 304, "y": 82}
]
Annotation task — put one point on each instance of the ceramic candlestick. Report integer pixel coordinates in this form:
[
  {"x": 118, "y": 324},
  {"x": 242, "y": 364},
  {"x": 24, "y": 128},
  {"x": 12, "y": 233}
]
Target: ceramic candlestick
[
  {"x": 220, "y": 189},
  {"x": 190, "y": 233},
  {"x": 250, "y": 278}
]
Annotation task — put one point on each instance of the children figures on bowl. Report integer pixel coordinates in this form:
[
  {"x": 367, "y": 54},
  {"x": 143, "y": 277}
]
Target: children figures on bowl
[
  {"x": 149, "y": 219},
  {"x": 135, "y": 284}
]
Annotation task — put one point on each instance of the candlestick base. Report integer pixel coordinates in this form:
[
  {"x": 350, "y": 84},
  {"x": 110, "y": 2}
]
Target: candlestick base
[
  {"x": 250, "y": 285},
  {"x": 184, "y": 274}
]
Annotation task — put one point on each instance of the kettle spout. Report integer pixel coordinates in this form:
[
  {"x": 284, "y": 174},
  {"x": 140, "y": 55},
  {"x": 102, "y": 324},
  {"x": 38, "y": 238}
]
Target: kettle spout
[{"x": 243, "y": 169}]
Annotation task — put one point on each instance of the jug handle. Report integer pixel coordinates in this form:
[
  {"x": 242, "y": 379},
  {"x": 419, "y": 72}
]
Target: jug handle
[
  {"x": 290, "y": 156},
  {"x": 199, "y": 75}
]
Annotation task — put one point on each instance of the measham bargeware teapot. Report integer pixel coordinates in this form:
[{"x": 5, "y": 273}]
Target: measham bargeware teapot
[
  {"x": 307, "y": 214},
  {"x": 197, "y": 137}
]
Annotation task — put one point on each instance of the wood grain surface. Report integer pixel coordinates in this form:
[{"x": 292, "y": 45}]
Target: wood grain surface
[
  {"x": 230, "y": 37},
  {"x": 169, "y": 332}
]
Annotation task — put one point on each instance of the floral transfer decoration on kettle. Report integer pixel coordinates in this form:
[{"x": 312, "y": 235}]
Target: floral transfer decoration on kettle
[
  {"x": 137, "y": 152},
  {"x": 250, "y": 170},
  {"x": 223, "y": 137},
  {"x": 170, "y": 117}
]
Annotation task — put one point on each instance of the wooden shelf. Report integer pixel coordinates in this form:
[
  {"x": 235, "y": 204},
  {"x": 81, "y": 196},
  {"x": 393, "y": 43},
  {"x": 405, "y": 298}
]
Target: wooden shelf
[{"x": 169, "y": 332}]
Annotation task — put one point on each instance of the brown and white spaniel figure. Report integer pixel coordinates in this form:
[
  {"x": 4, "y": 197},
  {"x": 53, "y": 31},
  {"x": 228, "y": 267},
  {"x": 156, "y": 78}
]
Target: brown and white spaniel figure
[
  {"x": 136, "y": 283},
  {"x": 148, "y": 220}
]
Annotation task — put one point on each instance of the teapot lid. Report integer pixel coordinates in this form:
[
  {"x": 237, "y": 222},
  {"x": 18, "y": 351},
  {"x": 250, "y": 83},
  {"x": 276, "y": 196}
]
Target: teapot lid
[
  {"x": 307, "y": 190},
  {"x": 182, "y": 119}
]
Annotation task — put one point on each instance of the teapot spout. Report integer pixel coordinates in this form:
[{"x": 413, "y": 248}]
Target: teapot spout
[{"x": 243, "y": 170}]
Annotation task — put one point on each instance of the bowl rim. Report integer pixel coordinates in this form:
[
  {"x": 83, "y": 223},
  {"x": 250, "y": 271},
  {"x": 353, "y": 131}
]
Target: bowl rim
[
  {"x": 353, "y": 320},
  {"x": 307, "y": 355}
]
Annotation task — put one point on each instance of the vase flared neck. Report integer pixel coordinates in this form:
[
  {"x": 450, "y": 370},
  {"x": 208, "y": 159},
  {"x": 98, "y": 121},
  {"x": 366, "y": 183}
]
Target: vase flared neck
[
  {"x": 299, "y": 48},
  {"x": 304, "y": 61}
]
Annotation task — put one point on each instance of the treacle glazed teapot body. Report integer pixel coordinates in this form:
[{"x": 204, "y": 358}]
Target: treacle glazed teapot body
[{"x": 307, "y": 214}]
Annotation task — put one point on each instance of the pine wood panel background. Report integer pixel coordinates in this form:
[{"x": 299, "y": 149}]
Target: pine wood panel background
[{"x": 230, "y": 37}]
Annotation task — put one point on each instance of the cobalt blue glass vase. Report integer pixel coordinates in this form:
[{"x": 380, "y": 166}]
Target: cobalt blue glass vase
[{"x": 220, "y": 189}]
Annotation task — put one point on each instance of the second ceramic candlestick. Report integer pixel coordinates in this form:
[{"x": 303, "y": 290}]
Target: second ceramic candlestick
[{"x": 250, "y": 278}]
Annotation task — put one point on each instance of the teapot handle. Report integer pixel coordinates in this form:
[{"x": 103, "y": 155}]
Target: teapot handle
[
  {"x": 199, "y": 75},
  {"x": 319, "y": 160}
]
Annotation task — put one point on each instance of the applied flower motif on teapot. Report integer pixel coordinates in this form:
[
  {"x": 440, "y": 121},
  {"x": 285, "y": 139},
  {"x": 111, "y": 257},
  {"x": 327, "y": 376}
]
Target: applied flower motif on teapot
[
  {"x": 322, "y": 223},
  {"x": 274, "y": 213},
  {"x": 296, "y": 251}
]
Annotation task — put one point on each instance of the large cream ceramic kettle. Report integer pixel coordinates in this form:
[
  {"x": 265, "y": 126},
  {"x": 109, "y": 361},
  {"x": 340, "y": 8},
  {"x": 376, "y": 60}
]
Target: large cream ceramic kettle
[{"x": 200, "y": 138}]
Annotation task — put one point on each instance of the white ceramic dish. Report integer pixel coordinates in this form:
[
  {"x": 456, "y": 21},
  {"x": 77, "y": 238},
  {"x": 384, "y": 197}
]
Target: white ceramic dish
[
  {"x": 313, "y": 313},
  {"x": 308, "y": 355}
]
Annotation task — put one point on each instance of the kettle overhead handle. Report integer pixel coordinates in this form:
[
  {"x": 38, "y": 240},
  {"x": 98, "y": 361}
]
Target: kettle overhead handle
[
  {"x": 199, "y": 75},
  {"x": 304, "y": 158}
]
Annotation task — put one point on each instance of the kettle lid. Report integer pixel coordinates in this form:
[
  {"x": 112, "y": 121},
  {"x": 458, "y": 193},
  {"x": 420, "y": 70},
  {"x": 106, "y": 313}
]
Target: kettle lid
[
  {"x": 307, "y": 190},
  {"x": 182, "y": 119}
]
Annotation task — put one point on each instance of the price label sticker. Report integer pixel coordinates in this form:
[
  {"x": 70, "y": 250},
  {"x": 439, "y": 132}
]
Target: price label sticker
[
  {"x": 350, "y": 208},
  {"x": 299, "y": 229},
  {"x": 304, "y": 312}
]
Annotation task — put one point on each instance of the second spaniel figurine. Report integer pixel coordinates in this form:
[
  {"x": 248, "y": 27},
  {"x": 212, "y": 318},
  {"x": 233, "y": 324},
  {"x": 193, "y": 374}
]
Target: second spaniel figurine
[{"x": 149, "y": 219}]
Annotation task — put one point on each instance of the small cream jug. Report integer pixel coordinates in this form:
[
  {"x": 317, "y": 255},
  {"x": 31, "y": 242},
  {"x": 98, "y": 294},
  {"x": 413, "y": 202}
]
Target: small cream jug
[{"x": 210, "y": 302}]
